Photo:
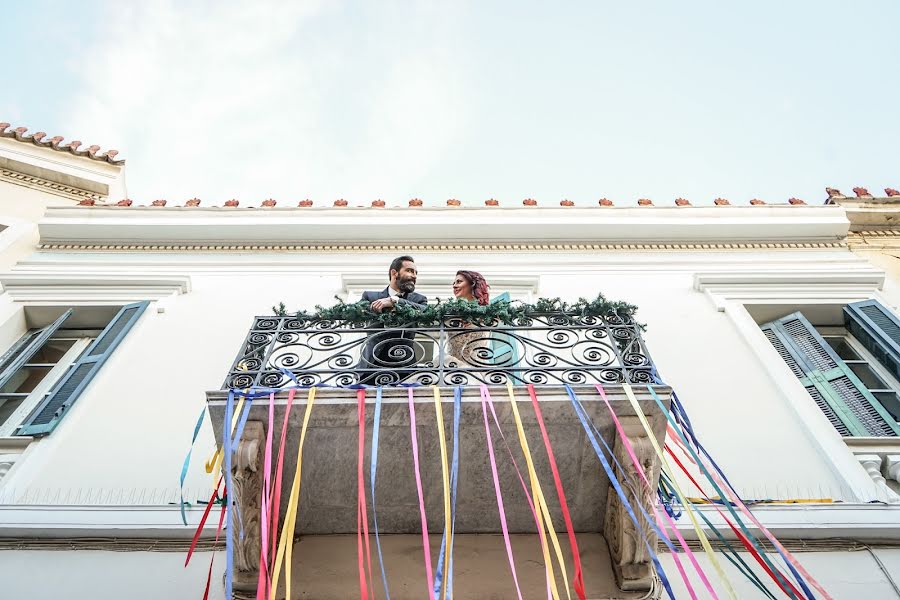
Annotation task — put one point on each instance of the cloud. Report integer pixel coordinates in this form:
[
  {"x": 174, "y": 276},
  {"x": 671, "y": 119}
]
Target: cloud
[{"x": 276, "y": 99}]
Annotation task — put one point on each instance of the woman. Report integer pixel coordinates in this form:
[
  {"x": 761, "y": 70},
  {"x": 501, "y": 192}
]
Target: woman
[{"x": 464, "y": 347}]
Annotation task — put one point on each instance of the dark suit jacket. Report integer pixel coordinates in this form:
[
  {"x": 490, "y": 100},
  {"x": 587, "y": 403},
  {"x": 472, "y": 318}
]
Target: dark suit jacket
[
  {"x": 417, "y": 301},
  {"x": 377, "y": 352}
]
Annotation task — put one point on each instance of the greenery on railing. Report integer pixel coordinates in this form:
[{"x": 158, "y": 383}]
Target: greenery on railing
[{"x": 502, "y": 312}]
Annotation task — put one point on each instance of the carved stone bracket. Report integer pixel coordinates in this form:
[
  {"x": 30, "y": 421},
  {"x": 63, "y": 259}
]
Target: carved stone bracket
[
  {"x": 247, "y": 483},
  {"x": 630, "y": 560}
]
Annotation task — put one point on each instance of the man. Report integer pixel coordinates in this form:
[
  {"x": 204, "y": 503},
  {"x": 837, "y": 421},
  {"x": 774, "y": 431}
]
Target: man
[{"x": 392, "y": 350}]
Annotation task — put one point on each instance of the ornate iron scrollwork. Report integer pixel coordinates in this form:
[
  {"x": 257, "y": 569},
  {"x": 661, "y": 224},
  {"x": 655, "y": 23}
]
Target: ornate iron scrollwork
[{"x": 540, "y": 348}]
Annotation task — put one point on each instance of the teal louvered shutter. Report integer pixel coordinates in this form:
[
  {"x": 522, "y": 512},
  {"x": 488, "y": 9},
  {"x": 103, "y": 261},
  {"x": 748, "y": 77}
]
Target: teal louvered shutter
[
  {"x": 878, "y": 330},
  {"x": 27, "y": 347},
  {"x": 54, "y": 407},
  {"x": 837, "y": 391},
  {"x": 503, "y": 347}
]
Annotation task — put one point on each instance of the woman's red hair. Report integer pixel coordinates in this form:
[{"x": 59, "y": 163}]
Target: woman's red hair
[{"x": 479, "y": 285}]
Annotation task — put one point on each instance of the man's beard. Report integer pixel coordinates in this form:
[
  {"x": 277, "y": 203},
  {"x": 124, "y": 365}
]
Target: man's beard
[{"x": 406, "y": 285}]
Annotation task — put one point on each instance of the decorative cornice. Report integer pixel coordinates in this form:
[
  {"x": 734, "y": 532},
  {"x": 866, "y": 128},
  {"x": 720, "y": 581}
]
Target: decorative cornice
[
  {"x": 438, "y": 247},
  {"x": 45, "y": 185},
  {"x": 81, "y": 287}
]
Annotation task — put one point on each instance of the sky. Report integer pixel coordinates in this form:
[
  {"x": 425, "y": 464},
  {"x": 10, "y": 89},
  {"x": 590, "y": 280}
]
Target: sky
[{"x": 467, "y": 100}]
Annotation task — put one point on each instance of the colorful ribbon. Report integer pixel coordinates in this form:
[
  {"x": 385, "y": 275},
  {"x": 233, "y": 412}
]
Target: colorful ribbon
[
  {"x": 626, "y": 443},
  {"x": 543, "y": 512},
  {"x": 578, "y": 577},
  {"x": 373, "y": 469},
  {"x": 445, "y": 480},
  {"x": 551, "y": 584},
  {"x": 779, "y": 577},
  {"x": 187, "y": 461},
  {"x": 503, "y": 526},
  {"x": 595, "y": 442},
  {"x": 286, "y": 544},
  {"x": 362, "y": 517},
  {"x": 415, "y": 452},
  {"x": 454, "y": 477}
]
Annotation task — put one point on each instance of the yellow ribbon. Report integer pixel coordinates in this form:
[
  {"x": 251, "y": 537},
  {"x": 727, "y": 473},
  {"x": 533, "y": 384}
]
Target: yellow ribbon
[
  {"x": 543, "y": 513},
  {"x": 446, "y": 480},
  {"x": 214, "y": 461},
  {"x": 285, "y": 544},
  {"x": 701, "y": 535}
]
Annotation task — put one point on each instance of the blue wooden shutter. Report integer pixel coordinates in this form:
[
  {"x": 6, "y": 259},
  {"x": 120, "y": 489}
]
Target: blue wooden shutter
[
  {"x": 503, "y": 347},
  {"x": 878, "y": 330},
  {"x": 833, "y": 386},
  {"x": 33, "y": 342},
  {"x": 48, "y": 413}
]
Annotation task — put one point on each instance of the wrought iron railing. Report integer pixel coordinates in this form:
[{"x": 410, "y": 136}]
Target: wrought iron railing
[{"x": 539, "y": 348}]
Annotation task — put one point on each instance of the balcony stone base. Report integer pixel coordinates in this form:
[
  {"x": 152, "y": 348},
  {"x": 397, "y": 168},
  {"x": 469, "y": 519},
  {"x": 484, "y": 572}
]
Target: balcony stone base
[{"x": 328, "y": 493}]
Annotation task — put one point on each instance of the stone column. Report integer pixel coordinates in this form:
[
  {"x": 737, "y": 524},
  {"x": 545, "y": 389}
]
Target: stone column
[
  {"x": 630, "y": 560},
  {"x": 247, "y": 483}
]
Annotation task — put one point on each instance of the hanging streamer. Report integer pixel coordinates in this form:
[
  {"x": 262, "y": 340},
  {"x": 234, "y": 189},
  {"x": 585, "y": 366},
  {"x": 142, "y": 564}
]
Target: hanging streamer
[
  {"x": 545, "y": 551},
  {"x": 362, "y": 518},
  {"x": 454, "y": 475},
  {"x": 226, "y": 448},
  {"x": 376, "y": 426},
  {"x": 701, "y": 535},
  {"x": 503, "y": 526},
  {"x": 578, "y": 578},
  {"x": 626, "y": 443},
  {"x": 543, "y": 512},
  {"x": 276, "y": 492},
  {"x": 593, "y": 438},
  {"x": 187, "y": 461},
  {"x": 782, "y": 581},
  {"x": 415, "y": 452},
  {"x": 445, "y": 481},
  {"x": 286, "y": 544},
  {"x": 265, "y": 506}
]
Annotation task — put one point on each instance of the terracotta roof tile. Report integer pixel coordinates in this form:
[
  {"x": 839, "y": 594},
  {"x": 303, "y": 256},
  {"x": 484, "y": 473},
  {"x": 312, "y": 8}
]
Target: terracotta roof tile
[
  {"x": 55, "y": 143},
  {"x": 891, "y": 192},
  {"x": 682, "y": 202}
]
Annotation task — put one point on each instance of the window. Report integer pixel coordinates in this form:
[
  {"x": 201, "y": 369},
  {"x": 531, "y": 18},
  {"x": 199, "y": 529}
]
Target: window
[
  {"x": 850, "y": 371},
  {"x": 45, "y": 371}
]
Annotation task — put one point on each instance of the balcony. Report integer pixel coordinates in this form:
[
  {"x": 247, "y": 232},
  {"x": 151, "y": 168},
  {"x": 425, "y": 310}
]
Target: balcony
[
  {"x": 540, "y": 348},
  {"x": 548, "y": 350}
]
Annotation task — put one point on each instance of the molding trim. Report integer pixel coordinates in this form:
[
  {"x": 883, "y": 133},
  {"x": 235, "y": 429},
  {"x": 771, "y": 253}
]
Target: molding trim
[
  {"x": 840, "y": 285},
  {"x": 136, "y": 521},
  {"x": 45, "y": 185},
  {"x": 366, "y": 248},
  {"x": 176, "y": 228},
  {"x": 69, "y": 287}
]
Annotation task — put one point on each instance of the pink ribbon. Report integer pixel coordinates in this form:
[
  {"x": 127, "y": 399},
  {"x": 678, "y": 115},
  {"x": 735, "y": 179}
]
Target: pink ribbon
[
  {"x": 262, "y": 586},
  {"x": 503, "y": 526},
  {"x": 415, "y": 452},
  {"x": 637, "y": 465}
]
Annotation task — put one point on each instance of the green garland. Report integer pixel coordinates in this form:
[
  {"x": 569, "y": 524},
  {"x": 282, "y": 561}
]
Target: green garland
[{"x": 506, "y": 313}]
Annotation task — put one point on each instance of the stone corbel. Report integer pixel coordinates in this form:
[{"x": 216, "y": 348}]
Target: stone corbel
[
  {"x": 247, "y": 483},
  {"x": 630, "y": 561}
]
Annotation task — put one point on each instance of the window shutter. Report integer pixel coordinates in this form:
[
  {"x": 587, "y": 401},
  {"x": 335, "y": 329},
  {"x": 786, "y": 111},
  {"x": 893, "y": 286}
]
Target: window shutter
[
  {"x": 503, "y": 347},
  {"x": 25, "y": 351},
  {"x": 67, "y": 390},
  {"x": 833, "y": 386},
  {"x": 878, "y": 329}
]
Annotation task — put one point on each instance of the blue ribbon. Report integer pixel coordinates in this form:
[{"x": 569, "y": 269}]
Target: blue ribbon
[
  {"x": 239, "y": 431},
  {"x": 454, "y": 473},
  {"x": 187, "y": 461},
  {"x": 229, "y": 544},
  {"x": 373, "y": 468},
  {"x": 589, "y": 430},
  {"x": 779, "y": 576}
]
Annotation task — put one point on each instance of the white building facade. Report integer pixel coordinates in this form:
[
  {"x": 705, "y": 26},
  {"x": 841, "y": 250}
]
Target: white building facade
[{"x": 153, "y": 303}]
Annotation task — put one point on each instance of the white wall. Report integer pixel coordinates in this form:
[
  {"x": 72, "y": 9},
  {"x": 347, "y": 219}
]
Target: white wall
[{"x": 132, "y": 426}]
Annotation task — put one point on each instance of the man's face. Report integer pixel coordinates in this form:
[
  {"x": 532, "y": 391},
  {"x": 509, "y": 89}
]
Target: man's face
[{"x": 405, "y": 279}]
